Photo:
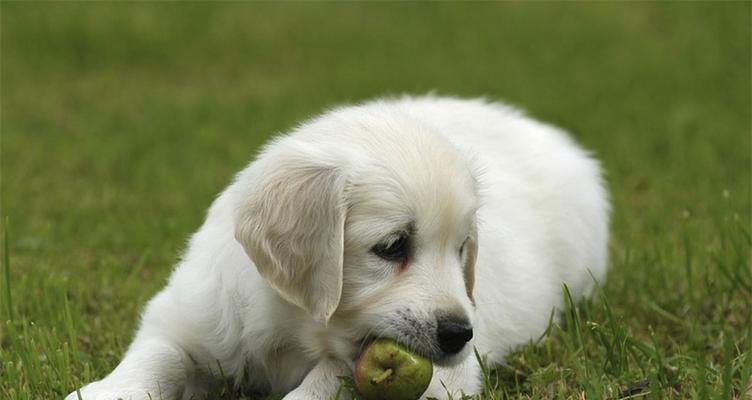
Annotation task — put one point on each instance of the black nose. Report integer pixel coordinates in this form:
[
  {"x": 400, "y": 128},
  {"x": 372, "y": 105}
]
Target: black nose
[{"x": 453, "y": 333}]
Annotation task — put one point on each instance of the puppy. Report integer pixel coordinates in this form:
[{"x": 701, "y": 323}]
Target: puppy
[{"x": 444, "y": 224}]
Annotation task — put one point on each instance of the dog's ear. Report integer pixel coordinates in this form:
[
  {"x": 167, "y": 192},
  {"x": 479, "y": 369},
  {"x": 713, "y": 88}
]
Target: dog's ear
[
  {"x": 291, "y": 225},
  {"x": 470, "y": 255}
]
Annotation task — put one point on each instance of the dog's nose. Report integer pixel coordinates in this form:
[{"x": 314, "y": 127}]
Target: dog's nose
[{"x": 453, "y": 333}]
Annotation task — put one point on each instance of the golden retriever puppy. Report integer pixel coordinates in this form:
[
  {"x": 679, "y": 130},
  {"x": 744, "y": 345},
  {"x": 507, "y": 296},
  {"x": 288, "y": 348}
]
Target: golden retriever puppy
[{"x": 441, "y": 223}]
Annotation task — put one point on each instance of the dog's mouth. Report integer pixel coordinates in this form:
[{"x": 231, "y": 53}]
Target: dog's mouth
[
  {"x": 434, "y": 355},
  {"x": 418, "y": 334}
]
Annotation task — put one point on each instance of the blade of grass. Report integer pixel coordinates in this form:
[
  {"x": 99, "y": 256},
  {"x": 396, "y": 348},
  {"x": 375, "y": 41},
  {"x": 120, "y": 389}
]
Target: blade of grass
[
  {"x": 487, "y": 385},
  {"x": 72, "y": 337},
  {"x": 701, "y": 379},
  {"x": 728, "y": 361},
  {"x": 572, "y": 318},
  {"x": 688, "y": 267},
  {"x": 746, "y": 367},
  {"x": 6, "y": 273}
]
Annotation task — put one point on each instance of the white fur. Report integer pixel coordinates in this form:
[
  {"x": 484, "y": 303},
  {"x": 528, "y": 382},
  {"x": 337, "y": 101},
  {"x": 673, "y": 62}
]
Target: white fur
[{"x": 279, "y": 287}]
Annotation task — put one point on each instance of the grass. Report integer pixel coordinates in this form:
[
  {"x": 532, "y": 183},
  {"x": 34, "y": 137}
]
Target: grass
[{"x": 121, "y": 122}]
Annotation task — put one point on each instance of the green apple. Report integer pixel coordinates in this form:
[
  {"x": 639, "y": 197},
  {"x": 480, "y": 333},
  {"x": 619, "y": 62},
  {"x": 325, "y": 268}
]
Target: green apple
[{"x": 386, "y": 370}]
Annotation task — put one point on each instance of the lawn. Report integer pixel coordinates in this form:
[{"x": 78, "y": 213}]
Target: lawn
[{"x": 121, "y": 122}]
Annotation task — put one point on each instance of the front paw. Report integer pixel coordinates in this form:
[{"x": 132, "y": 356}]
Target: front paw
[
  {"x": 308, "y": 394},
  {"x": 304, "y": 394},
  {"x": 97, "y": 392}
]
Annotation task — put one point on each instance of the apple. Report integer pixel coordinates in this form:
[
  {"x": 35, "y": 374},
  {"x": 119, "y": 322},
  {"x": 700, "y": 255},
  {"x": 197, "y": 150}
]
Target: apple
[{"x": 386, "y": 370}]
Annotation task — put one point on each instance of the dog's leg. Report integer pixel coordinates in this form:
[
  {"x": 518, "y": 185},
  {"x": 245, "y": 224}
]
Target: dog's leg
[
  {"x": 322, "y": 383},
  {"x": 152, "y": 369},
  {"x": 464, "y": 378}
]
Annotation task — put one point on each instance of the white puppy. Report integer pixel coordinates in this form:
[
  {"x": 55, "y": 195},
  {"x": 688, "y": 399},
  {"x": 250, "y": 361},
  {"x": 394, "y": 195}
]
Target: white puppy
[{"x": 445, "y": 224}]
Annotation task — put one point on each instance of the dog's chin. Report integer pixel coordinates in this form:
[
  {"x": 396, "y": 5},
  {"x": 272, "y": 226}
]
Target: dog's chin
[{"x": 449, "y": 360}]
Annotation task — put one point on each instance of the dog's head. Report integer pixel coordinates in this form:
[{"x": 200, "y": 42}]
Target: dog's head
[{"x": 367, "y": 222}]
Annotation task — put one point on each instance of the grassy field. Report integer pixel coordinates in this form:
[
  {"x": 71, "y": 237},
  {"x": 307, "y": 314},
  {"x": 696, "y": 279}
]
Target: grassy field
[{"x": 121, "y": 122}]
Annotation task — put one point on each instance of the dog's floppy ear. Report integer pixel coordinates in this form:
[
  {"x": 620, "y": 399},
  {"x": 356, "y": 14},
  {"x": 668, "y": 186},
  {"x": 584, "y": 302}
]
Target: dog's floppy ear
[
  {"x": 291, "y": 225},
  {"x": 470, "y": 255}
]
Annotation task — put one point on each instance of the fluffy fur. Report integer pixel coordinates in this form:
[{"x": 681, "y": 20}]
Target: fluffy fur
[{"x": 281, "y": 286}]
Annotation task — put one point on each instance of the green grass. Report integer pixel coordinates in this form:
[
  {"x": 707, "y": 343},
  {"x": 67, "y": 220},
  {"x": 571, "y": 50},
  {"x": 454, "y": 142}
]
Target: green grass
[{"x": 121, "y": 122}]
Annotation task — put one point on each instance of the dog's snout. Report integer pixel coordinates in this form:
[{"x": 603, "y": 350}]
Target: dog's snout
[{"x": 453, "y": 333}]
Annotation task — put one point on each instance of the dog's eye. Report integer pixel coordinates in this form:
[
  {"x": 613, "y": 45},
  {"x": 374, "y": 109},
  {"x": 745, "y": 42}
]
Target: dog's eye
[{"x": 395, "y": 250}]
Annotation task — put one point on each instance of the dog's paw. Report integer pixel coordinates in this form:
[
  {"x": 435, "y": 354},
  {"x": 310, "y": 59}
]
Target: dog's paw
[
  {"x": 308, "y": 394},
  {"x": 302, "y": 394},
  {"x": 94, "y": 392}
]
